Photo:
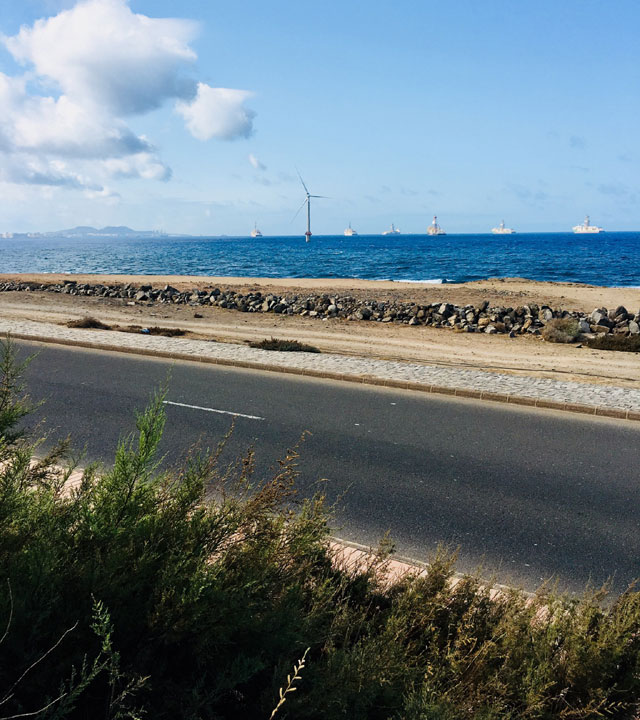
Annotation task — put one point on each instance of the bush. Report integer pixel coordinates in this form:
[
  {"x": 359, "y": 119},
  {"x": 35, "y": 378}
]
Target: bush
[
  {"x": 283, "y": 345},
  {"x": 190, "y": 594},
  {"x": 628, "y": 343},
  {"x": 561, "y": 330},
  {"x": 88, "y": 323}
]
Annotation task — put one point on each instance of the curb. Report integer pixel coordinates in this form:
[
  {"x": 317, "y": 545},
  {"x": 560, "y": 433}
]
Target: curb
[{"x": 597, "y": 410}]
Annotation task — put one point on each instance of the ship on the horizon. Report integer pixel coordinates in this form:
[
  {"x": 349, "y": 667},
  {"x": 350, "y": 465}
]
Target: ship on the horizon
[
  {"x": 393, "y": 230},
  {"x": 502, "y": 230},
  {"x": 434, "y": 228},
  {"x": 587, "y": 227},
  {"x": 350, "y": 232},
  {"x": 255, "y": 232}
]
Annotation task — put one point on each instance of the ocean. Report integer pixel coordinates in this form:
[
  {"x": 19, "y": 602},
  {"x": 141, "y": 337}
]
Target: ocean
[{"x": 611, "y": 258}]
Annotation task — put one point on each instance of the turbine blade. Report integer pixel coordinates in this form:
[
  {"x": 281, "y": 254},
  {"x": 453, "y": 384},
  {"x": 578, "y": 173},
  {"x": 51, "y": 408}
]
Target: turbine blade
[
  {"x": 302, "y": 181},
  {"x": 324, "y": 197},
  {"x": 298, "y": 212}
]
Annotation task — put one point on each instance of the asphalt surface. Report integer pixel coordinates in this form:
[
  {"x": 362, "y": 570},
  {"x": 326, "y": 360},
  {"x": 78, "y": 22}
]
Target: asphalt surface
[{"x": 529, "y": 495}]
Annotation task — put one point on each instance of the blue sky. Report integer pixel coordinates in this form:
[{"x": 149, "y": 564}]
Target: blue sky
[{"x": 474, "y": 111}]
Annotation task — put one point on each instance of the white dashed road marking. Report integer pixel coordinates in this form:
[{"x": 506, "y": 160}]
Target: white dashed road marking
[{"x": 213, "y": 410}]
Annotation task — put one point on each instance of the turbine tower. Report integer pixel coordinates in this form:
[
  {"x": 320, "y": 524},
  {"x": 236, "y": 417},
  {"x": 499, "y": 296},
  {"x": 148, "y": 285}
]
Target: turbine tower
[{"x": 307, "y": 200}]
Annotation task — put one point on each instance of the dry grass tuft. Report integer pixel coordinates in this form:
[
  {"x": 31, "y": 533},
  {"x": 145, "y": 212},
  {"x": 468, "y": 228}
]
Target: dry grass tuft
[
  {"x": 629, "y": 343},
  {"x": 165, "y": 332},
  {"x": 88, "y": 323},
  {"x": 561, "y": 330},
  {"x": 283, "y": 345}
]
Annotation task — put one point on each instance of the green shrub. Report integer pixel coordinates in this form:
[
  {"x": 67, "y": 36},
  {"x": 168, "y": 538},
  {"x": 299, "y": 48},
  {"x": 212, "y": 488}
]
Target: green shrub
[
  {"x": 628, "y": 343},
  {"x": 142, "y": 592},
  {"x": 283, "y": 345},
  {"x": 561, "y": 330}
]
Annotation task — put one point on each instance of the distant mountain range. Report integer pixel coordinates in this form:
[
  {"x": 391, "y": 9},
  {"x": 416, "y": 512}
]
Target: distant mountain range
[
  {"x": 121, "y": 231},
  {"x": 114, "y": 231}
]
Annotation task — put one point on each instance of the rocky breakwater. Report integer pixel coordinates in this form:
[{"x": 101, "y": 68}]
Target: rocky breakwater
[{"x": 526, "y": 319}]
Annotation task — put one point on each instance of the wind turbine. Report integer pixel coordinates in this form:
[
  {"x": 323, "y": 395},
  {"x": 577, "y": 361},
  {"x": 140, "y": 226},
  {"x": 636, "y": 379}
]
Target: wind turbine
[{"x": 307, "y": 200}]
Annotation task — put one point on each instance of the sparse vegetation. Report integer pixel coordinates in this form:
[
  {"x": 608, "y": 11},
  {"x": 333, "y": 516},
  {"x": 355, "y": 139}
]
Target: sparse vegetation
[
  {"x": 624, "y": 343},
  {"x": 190, "y": 593},
  {"x": 561, "y": 330},
  {"x": 155, "y": 330},
  {"x": 283, "y": 345},
  {"x": 88, "y": 323},
  {"x": 92, "y": 323}
]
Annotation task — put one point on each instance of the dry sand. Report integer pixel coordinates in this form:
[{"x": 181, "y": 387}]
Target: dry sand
[{"x": 523, "y": 355}]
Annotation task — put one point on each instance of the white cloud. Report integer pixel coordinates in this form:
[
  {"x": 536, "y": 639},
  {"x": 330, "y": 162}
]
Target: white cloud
[
  {"x": 144, "y": 165},
  {"x": 257, "y": 165},
  {"x": 89, "y": 69},
  {"x": 103, "y": 53},
  {"x": 218, "y": 112}
]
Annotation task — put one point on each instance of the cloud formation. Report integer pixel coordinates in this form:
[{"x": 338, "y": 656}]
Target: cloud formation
[
  {"x": 256, "y": 164},
  {"x": 89, "y": 69},
  {"x": 217, "y": 112}
]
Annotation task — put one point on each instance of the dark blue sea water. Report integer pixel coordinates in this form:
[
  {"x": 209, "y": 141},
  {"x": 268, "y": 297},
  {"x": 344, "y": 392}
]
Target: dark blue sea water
[{"x": 605, "y": 259}]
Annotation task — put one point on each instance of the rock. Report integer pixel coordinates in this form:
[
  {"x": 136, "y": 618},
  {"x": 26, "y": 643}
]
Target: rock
[
  {"x": 490, "y": 330},
  {"x": 599, "y": 314},
  {"x": 446, "y": 310},
  {"x": 599, "y": 329},
  {"x": 141, "y": 296},
  {"x": 583, "y": 325},
  {"x": 634, "y": 327}
]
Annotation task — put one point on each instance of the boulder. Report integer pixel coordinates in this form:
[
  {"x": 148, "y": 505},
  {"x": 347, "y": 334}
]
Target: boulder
[{"x": 598, "y": 315}]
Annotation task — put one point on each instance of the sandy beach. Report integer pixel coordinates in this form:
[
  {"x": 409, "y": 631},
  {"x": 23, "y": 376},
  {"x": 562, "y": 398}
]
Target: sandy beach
[{"x": 521, "y": 355}]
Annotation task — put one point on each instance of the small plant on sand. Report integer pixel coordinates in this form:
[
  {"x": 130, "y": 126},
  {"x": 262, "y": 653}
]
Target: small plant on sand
[
  {"x": 283, "y": 345},
  {"x": 88, "y": 323},
  {"x": 154, "y": 330},
  {"x": 561, "y": 330},
  {"x": 628, "y": 343}
]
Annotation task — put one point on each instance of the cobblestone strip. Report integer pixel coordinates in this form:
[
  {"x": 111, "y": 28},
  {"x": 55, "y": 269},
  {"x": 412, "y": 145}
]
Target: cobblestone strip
[{"x": 608, "y": 400}]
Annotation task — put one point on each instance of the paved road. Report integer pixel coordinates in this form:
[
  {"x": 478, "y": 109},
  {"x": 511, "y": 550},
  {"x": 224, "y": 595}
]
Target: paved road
[{"x": 528, "y": 494}]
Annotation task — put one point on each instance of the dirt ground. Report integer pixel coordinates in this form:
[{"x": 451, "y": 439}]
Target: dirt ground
[{"x": 522, "y": 355}]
